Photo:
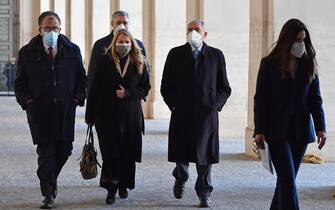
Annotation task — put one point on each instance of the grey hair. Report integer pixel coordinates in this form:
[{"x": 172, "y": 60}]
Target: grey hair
[
  {"x": 120, "y": 13},
  {"x": 202, "y": 23}
]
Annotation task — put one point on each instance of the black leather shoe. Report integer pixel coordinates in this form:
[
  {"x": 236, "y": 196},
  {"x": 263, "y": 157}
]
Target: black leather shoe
[
  {"x": 48, "y": 202},
  {"x": 123, "y": 193},
  {"x": 205, "y": 202},
  {"x": 178, "y": 189},
  {"x": 110, "y": 198}
]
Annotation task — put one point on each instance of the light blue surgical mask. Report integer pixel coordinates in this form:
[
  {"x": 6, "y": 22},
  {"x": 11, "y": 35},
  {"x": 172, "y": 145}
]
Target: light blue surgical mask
[{"x": 50, "y": 38}]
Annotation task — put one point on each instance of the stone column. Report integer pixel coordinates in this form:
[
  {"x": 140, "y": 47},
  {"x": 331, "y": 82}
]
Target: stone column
[
  {"x": 149, "y": 39},
  {"x": 52, "y": 5},
  {"x": 261, "y": 38},
  {"x": 88, "y": 30},
  {"x": 59, "y": 6},
  {"x": 29, "y": 10},
  {"x": 195, "y": 10},
  {"x": 114, "y": 6},
  {"x": 68, "y": 21}
]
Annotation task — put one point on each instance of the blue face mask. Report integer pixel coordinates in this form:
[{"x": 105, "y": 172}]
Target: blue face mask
[{"x": 50, "y": 38}]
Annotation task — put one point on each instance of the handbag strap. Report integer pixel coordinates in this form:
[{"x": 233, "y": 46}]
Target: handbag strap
[{"x": 89, "y": 135}]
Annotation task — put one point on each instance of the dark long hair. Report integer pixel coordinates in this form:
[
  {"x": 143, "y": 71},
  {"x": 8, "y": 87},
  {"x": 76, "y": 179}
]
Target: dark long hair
[{"x": 281, "y": 52}]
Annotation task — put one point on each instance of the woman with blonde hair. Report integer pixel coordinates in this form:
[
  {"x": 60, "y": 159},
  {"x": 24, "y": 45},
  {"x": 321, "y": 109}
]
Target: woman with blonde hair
[{"x": 119, "y": 83}]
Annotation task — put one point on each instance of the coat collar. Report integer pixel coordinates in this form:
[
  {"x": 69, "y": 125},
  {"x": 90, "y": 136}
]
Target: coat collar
[{"x": 204, "y": 49}]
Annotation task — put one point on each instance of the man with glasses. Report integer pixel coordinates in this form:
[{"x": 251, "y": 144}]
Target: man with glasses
[
  {"x": 50, "y": 84},
  {"x": 120, "y": 19}
]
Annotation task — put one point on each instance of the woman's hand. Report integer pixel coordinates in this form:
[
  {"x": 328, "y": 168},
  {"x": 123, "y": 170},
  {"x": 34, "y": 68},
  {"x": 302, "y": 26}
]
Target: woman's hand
[
  {"x": 321, "y": 139},
  {"x": 120, "y": 93},
  {"x": 259, "y": 139}
]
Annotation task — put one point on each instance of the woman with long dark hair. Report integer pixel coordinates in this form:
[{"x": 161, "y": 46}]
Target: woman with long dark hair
[
  {"x": 288, "y": 108},
  {"x": 120, "y": 81}
]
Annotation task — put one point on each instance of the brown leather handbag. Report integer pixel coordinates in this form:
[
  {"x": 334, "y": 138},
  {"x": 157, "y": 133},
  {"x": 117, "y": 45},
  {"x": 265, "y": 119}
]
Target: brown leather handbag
[{"x": 88, "y": 159}]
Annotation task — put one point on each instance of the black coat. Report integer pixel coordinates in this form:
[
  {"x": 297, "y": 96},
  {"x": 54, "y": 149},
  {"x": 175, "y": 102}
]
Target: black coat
[
  {"x": 52, "y": 87},
  {"x": 118, "y": 121},
  {"x": 194, "y": 95},
  {"x": 99, "y": 49},
  {"x": 279, "y": 101}
]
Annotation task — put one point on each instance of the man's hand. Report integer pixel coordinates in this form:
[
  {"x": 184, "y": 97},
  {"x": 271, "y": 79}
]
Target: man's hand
[
  {"x": 120, "y": 93},
  {"x": 321, "y": 135}
]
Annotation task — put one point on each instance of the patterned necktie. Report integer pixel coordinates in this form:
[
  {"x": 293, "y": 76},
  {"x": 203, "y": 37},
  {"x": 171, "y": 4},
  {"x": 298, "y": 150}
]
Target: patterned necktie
[
  {"x": 50, "y": 54},
  {"x": 196, "y": 54}
]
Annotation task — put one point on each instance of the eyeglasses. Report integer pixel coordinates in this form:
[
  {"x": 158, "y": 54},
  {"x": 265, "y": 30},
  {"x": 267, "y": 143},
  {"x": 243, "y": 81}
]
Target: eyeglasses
[{"x": 49, "y": 29}]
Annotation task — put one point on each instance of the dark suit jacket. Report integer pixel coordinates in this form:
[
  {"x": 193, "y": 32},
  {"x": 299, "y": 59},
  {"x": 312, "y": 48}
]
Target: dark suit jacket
[
  {"x": 279, "y": 101},
  {"x": 194, "y": 94},
  {"x": 99, "y": 49}
]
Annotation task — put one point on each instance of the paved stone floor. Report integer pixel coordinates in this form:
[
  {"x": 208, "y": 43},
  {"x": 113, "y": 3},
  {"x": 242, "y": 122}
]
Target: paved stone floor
[{"x": 239, "y": 182}]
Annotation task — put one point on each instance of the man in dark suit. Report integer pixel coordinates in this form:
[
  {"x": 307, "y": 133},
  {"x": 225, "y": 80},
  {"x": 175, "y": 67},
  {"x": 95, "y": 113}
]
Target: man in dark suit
[
  {"x": 195, "y": 87},
  {"x": 50, "y": 83},
  {"x": 120, "y": 19}
]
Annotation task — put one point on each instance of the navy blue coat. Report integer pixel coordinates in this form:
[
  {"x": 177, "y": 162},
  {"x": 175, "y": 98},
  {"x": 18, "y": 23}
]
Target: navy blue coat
[
  {"x": 52, "y": 87},
  {"x": 99, "y": 49},
  {"x": 194, "y": 94},
  {"x": 278, "y": 101}
]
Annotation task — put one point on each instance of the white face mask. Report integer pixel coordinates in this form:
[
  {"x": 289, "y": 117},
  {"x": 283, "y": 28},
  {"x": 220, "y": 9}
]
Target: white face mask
[
  {"x": 117, "y": 28},
  {"x": 298, "y": 49},
  {"x": 194, "y": 38}
]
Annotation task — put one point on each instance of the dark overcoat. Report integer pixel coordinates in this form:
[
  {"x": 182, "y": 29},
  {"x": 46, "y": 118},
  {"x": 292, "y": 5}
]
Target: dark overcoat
[
  {"x": 194, "y": 94},
  {"x": 119, "y": 122},
  {"x": 279, "y": 101},
  {"x": 54, "y": 87}
]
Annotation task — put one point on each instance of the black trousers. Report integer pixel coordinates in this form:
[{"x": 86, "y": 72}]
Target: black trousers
[
  {"x": 51, "y": 159},
  {"x": 203, "y": 185},
  {"x": 117, "y": 173}
]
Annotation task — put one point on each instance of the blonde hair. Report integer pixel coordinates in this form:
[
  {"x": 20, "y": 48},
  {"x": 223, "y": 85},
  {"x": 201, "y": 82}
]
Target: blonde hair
[{"x": 135, "y": 51}]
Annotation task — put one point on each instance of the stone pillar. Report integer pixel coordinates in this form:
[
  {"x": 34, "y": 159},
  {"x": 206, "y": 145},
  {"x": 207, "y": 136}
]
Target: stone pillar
[
  {"x": 68, "y": 19},
  {"x": 59, "y": 7},
  {"x": 261, "y": 38},
  {"x": 88, "y": 30},
  {"x": 195, "y": 10},
  {"x": 29, "y": 10},
  {"x": 149, "y": 40},
  {"x": 114, "y": 6},
  {"x": 52, "y": 5}
]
